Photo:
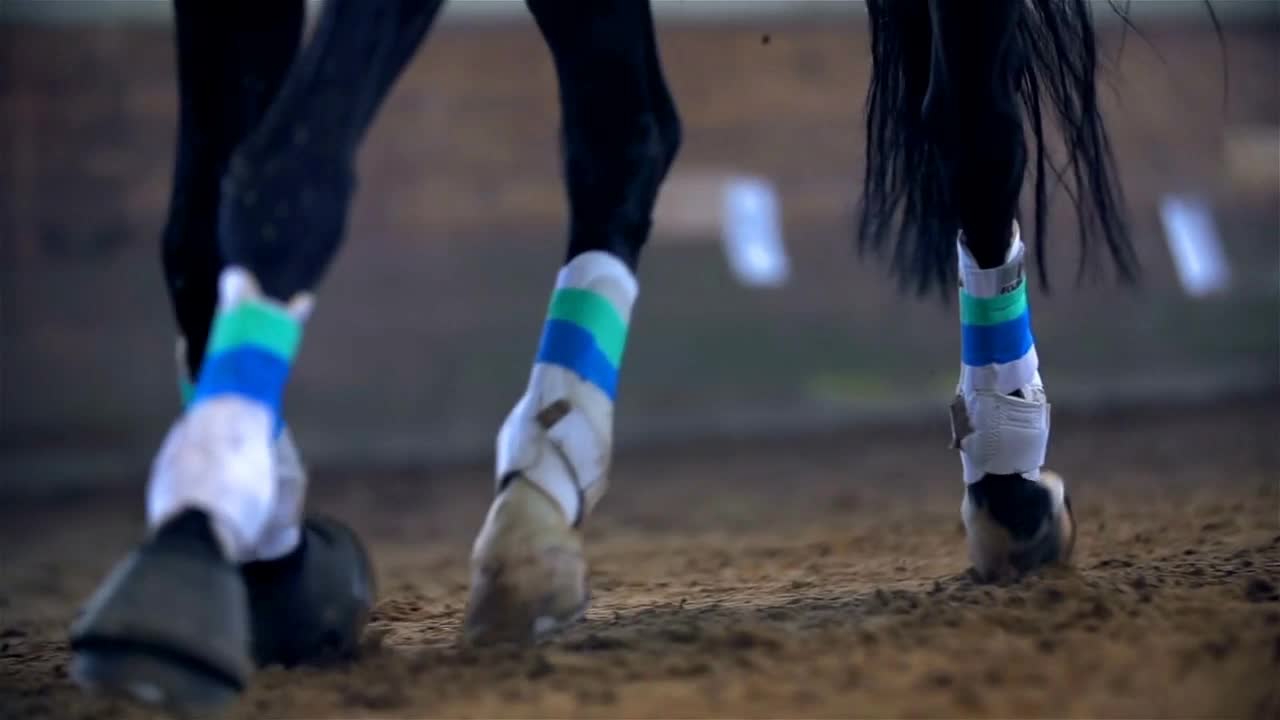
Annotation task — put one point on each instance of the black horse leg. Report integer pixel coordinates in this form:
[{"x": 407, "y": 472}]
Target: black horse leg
[
  {"x": 620, "y": 135},
  {"x": 232, "y": 58},
  {"x": 288, "y": 188},
  {"x": 283, "y": 207},
  {"x": 620, "y": 131},
  {"x": 1017, "y": 516},
  {"x": 972, "y": 108},
  {"x": 962, "y": 98}
]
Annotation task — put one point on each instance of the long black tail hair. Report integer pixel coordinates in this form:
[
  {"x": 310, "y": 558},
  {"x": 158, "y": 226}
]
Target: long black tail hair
[{"x": 1046, "y": 65}]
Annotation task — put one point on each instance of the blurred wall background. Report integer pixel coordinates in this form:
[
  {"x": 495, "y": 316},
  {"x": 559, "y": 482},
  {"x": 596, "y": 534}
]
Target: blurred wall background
[{"x": 428, "y": 321}]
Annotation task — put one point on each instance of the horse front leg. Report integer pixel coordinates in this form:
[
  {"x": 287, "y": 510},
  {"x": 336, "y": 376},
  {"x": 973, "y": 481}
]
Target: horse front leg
[
  {"x": 182, "y": 619},
  {"x": 620, "y": 136}
]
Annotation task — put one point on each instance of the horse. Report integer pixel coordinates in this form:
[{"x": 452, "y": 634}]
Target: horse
[{"x": 233, "y": 574}]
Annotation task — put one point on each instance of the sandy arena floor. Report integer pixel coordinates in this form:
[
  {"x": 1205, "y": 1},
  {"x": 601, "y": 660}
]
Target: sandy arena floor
[{"x": 814, "y": 579}]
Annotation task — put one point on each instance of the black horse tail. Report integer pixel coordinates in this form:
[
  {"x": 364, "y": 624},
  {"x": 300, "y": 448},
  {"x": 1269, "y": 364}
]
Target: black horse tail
[{"x": 1041, "y": 60}]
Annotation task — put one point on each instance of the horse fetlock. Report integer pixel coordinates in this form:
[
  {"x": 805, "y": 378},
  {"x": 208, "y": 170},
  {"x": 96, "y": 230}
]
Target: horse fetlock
[
  {"x": 283, "y": 529},
  {"x": 1014, "y": 525},
  {"x": 560, "y": 445},
  {"x": 218, "y": 458},
  {"x": 998, "y": 433}
]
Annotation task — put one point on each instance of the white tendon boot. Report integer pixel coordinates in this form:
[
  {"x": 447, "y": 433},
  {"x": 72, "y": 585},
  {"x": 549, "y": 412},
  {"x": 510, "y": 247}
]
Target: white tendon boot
[
  {"x": 528, "y": 572},
  {"x": 283, "y": 528},
  {"x": 223, "y": 455},
  {"x": 1017, "y": 516}
]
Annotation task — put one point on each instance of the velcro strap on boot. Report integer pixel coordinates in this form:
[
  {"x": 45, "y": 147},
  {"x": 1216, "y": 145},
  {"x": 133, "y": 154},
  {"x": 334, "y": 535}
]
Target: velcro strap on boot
[
  {"x": 553, "y": 439},
  {"x": 1000, "y": 434}
]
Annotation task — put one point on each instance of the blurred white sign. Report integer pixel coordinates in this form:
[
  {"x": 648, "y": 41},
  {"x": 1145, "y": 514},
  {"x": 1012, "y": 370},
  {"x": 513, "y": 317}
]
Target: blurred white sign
[
  {"x": 752, "y": 233},
  {"x": 1194, "y": 244}
]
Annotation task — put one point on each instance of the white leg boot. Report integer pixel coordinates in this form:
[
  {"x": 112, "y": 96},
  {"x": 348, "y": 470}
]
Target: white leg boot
[
  {"x": 220, "y": 457},
  {"x": 283, "y": 527},
  {"x": 528, "y": 572},
  {"x": 1017, "y": 516}
]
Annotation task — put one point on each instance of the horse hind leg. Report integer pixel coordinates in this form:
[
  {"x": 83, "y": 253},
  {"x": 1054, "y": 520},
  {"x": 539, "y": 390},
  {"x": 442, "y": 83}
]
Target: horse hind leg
[
  {"x": 954, "y": 89},
  {"x": 182, "y": 619},
  {"x": 620, "y": 136},
  {"x": 1017, "y": 516}
]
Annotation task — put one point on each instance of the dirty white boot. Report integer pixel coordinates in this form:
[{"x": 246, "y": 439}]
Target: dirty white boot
[
  {"x": 528, "y": 571},
  {"x": 284, "y": 523},
  {"x": 1017, "y": 516},
  {"x": 220, "y": 456}
]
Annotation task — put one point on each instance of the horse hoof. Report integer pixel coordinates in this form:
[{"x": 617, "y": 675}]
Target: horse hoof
[
  {"x": 146, "y": 677},
  {"x": 528, "y": 572},
  {"x": 311, "y": 606},
  {"x": 1015, "y": 526},
  {"x": 169, "y": 626}
]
